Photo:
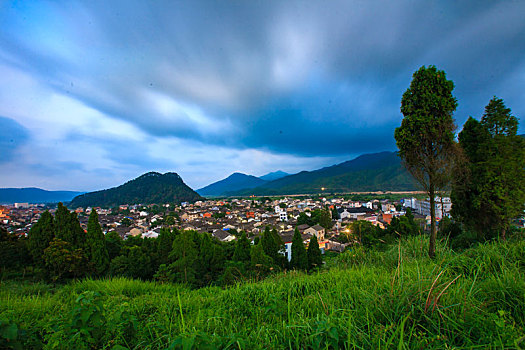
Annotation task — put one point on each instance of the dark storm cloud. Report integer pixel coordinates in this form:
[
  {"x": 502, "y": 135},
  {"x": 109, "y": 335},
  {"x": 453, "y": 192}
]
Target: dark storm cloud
[
  {"x": 12, "y": 136},
  {"x": 305, "y": 78}
]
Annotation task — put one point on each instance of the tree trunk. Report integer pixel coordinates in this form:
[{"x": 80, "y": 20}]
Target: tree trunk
[
  {"x": 503, "y": 232},
  {"x": 432, "y": 244}
]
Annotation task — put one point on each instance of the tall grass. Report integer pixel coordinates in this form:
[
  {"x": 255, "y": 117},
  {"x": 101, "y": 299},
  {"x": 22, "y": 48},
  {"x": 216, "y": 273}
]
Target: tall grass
[{"x": 398, "y": 298}]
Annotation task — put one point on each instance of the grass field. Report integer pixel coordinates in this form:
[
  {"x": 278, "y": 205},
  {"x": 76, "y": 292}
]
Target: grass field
[{"x": 398, "y": 298}]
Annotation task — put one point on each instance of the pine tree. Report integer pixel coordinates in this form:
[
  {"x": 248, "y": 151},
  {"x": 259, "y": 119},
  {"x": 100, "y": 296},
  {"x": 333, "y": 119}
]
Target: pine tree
[
  {"x": 165, "y": 244},
  {"x": 299, "y": 256},
  {"x": 210, "y": 260},
  {"x": 40, "y": 235},
  {"x": 184, "y": 255},
  {"x": 269, "y": 244},
  {"x": 78, "y": 235},
  {"x": 242, "y": 249},
  {"x": 260, "y": 262},
  {"x": 61, "y": 222},
  {"x": 315, "y": 260},
  {"x": 96, "y": 245},
  {"x": 68, "y": 228}
]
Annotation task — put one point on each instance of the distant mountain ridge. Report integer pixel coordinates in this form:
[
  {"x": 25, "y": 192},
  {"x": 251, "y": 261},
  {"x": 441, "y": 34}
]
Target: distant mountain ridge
[
  {"x": 234, "y": 182},
  {"x": 149, "y": 188},
  {"x": 35, "y": 195},
  {"x": 381, "y": 171},
  {"x": 274, "y": 175}
]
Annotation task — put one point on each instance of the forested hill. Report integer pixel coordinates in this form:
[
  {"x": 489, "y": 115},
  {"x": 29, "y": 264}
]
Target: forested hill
[
  {"x": 369, "y": 172},
  {"x": 149, "y": 188}
]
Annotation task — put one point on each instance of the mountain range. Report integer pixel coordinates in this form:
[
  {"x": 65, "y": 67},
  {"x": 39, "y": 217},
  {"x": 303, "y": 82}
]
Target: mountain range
[
  {"x": 34, "y": 195},
  {"x": 239, "y": 181},
  {"x": 274, "y": 175},
  {"x": 369, "y": 172},
  {"x": 381, "y": 171},
  {"x": 149, "y": 188},
  {"x": 234, "y": 182}
]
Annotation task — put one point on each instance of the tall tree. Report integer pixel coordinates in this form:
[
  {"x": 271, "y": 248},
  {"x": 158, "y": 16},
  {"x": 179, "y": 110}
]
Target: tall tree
[
  {"x": 96, "y": 245},
  {"x": 315, "y": 258},
  {"x": 68, "y": 228},
  {"x": 210, "y": 260},
  {"x": 426, "y": 136},
  {"x": 61, "y": 222},
  {"x": 165, "y": 244},
  {"x": 299, "y": 257},
  {"x": 272, "y": 244},
  {"x": 490, "y": 191},
  {"x": 184, "y": 255},
  {"x": 242, "y": 249},
  {"x": 260, "y": 262},
  {"x": 40, "y": 235}
]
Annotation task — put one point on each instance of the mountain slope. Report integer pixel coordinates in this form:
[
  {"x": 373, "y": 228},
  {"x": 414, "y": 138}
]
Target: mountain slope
[
  {"x": 149, "y": 188},
  {"x": 369, "y": 172},
  {"x": 234, "y": 182},
  {"x": 274, "y": 175},
  {"x": 34, "y": 195}
]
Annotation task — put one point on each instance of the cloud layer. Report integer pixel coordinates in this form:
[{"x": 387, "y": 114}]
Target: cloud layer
[{"x": 95, "y": 94}]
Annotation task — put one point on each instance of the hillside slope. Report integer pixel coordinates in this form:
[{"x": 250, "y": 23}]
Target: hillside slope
[{"x": 149, "y": 188}]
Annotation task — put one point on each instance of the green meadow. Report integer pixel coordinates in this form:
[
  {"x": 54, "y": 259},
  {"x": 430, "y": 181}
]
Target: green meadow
[{"x": 397, "y": 298}]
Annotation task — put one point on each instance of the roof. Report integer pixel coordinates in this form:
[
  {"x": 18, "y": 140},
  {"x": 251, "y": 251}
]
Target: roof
[
  {"x": 287, "y": 236},
  {"x": 318, "y": 227},
  {"x": 303, "y": 227},
  {"x": 221, "y": 235}
]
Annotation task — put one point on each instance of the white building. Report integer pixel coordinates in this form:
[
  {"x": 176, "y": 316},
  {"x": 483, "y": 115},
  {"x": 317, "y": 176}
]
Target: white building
[{"x": 441, "y": 207}]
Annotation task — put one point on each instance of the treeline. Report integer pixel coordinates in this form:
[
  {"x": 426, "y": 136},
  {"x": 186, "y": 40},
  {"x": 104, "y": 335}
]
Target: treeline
[{"x": 58, "y": 247}]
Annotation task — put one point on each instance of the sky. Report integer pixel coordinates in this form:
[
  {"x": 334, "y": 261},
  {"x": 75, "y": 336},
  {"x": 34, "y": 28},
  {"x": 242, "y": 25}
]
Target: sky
[{"x": 95, "y": 93}]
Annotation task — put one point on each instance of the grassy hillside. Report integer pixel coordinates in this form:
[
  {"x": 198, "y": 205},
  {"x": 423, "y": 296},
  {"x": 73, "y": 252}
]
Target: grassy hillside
[{"x": 393, "y": 299}]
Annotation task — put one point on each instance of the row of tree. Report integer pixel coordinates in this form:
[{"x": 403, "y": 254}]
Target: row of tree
[
  {"x": 60, "y": 248},
  {"x": 485, "y": 169},
  {"x": 60, "y": 245}
]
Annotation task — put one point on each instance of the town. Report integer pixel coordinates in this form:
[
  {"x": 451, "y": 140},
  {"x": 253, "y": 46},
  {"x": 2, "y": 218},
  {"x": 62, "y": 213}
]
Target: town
[{"x": 225, "y": 219}]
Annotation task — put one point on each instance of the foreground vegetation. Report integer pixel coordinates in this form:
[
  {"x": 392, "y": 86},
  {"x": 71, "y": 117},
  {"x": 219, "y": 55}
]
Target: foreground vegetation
[{"x": 362, "y": 299}]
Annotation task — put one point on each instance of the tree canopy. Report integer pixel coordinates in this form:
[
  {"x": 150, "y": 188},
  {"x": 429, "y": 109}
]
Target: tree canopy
[{"x": 489, "y": 188}]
